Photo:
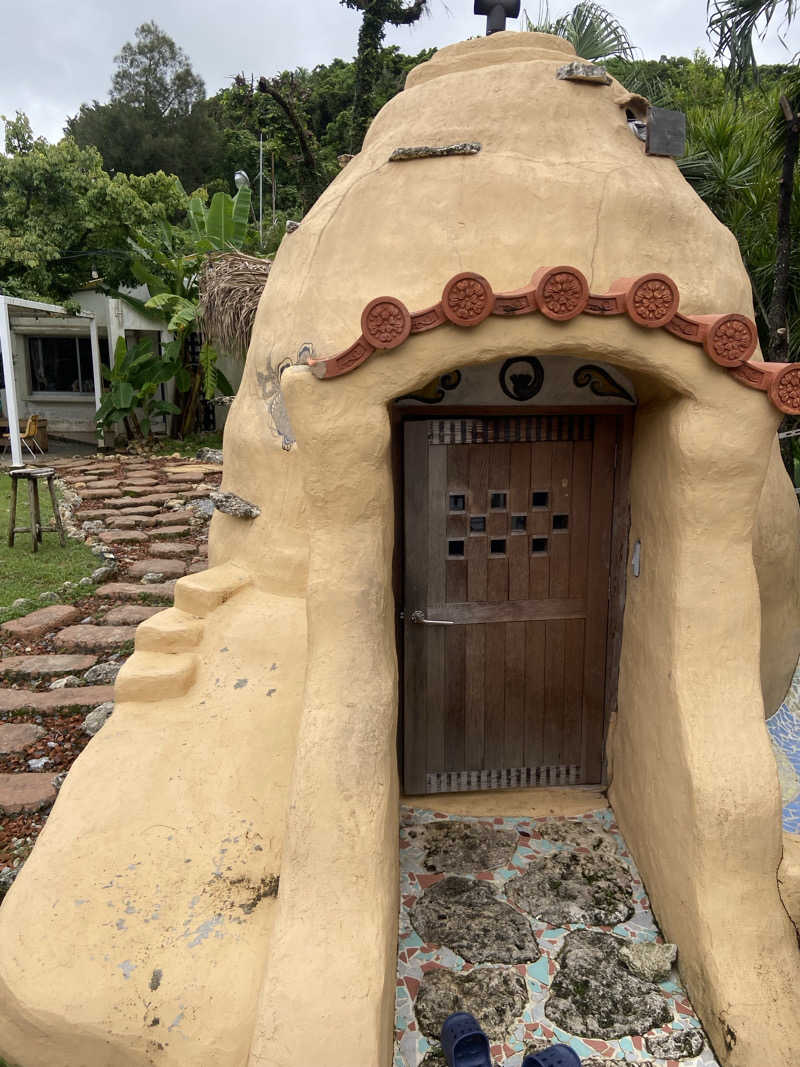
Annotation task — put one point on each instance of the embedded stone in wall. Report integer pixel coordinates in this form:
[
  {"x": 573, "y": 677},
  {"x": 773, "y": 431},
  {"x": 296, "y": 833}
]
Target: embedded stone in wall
[
  {"x": 231, "y": 504},
  {"x": 676, "y": 1046},
  {"x": 463, "y": 148},
  {"x": 466, "y": 847},
  {"x": 574, "y": 887},
  {"x": 594, "y": 994},
  {"x": 496, "y": 996},
  {"x": 468, "y": 918},
  {"x": 584, "y": 72}
]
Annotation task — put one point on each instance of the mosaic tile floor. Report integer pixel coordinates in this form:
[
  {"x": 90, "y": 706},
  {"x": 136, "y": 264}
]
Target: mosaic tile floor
[
  {"x": 784, "y": 729},
  {"x": 416, "y": 958}
]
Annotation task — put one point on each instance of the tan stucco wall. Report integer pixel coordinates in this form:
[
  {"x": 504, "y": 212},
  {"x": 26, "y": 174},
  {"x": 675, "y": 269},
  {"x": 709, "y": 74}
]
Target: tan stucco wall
[{"x": 560, "y": 179}]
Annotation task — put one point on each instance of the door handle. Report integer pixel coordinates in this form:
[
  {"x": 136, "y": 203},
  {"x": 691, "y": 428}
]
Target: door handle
[{"x": 419, "y": 617}]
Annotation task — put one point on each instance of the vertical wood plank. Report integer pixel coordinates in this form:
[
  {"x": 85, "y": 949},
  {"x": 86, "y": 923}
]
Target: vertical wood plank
[
  {"x": 494, "y": 688},
  {"x": 597, "y": 594},
  {"x": 477, "y": 504},
  {"x": 571, "y": 736},
  {"x": 519, "y": 504},
  {"x": 539, "y": 518},
  {"x": 514, "y": 695},
  {"x": 437, "y": 578},
  {"x": 579, "y": 517},
  {"x": 415, "y": 499},
  {"x": 553, "y": 691},
  {"x": 475, "y": 697},
  {"x": 455, "y": 640},
  {"x": 535, "y": 636},
  {"x": 560, "y": 504}
]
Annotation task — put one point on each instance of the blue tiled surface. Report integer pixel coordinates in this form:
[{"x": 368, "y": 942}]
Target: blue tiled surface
[{"x": 784, "y": 730}]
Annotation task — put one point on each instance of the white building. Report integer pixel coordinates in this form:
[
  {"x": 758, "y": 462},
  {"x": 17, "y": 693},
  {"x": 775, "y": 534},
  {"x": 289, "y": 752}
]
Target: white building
[{"x": 53, "y": 363}]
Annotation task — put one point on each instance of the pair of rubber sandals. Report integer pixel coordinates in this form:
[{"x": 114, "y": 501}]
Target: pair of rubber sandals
[{"x": 466, "y": 1045}]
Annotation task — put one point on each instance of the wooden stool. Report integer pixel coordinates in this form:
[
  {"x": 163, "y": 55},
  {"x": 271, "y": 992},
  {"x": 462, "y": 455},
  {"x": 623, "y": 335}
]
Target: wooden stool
[{"x": 33, "y": 476}]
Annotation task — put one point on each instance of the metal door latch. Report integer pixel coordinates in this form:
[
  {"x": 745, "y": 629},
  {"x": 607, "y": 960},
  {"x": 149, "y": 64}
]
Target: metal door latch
[{"x": 419, "y": 618}]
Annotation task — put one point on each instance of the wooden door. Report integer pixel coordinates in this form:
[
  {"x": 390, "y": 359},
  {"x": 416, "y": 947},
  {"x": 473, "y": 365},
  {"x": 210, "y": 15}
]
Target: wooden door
[{"x": 508, "y": 540}]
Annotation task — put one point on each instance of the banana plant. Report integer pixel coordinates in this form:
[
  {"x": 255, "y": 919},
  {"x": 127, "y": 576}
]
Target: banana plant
[
  {"x": 222, "y": 226},
  {"x": 133, "y": 387}
]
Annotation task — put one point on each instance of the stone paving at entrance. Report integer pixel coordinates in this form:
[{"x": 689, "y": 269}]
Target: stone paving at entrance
[
  {"x": 541, "y": 928},
  {"x": 147, "y": 518}
]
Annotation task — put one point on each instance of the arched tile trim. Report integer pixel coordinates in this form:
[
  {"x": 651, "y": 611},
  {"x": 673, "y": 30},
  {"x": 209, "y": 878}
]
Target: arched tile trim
[{"x": 562, "y": 293}]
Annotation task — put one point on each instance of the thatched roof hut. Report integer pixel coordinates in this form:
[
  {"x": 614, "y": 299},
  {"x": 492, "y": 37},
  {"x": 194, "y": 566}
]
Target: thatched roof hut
[{"x": 231, "y": 284}]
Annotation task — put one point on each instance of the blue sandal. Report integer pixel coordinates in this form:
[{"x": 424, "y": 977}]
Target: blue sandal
[
  {"x": 463, "y": 1042},
  {"x": 555, "y": 1056}
]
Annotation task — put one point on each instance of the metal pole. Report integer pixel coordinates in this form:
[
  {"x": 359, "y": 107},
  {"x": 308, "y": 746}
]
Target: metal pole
[
  {"x": 10, "y": 385},
  {"x": 260, "y": 188},
  {"x": 98, "y": 381},
  {"x": 273, "y": 188}
]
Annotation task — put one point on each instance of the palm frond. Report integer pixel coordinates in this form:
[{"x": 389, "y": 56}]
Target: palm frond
[
  {"x": 590, "y": 28},
  {"x": 732, "y": 26}
]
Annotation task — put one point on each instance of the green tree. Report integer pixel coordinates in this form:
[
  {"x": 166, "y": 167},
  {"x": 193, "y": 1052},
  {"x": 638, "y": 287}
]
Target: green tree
[
  {"x": 157, "y": 117},
  {"x": 593, "y": 31},
  {"x": 64, "y": 220},
  {"x": 733, "y": 24},
  {"x": 377, "y": 15}
]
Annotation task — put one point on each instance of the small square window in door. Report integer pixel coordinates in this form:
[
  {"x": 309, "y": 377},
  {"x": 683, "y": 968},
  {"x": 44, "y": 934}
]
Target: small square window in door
[
  {"x": 538, "y": 546},
  {"x": 540, "y": 500},
  {"x": 560, "y": 522},
  {"x": 455, "y": 549}
]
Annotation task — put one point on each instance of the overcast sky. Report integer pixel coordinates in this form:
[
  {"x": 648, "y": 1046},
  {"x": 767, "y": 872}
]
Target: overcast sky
[{"x": 57, "y": 55}]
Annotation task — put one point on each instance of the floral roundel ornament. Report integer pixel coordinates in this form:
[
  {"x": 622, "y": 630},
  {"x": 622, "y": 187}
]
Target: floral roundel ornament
[
  {"x": 467, "y": 299},
  {"x": 652, "y": 300},
  {"x": 385, "y": 322}
]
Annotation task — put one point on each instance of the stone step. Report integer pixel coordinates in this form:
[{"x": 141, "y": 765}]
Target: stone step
[
  {"x": 26, "y": 792},
  {"x": 114, "y": 537},
  {"x": 138, "y": 501},
  {"x": 172, "y": 518},
  {"x": 171, "y": 549},
  {"x": 131, "y": 614},
  {"x": 141, "y": 509},
  {"x": 158, "y": 592},
  {"x": 168, "y": 532},
  {"x": 180, "y": 476},
  {"x": 86, "y": 637},
  {"x": 131, "y": 522},
  {"x": 110, "y": 483},
  {"x": 93, "y": 514},
  {"x": 16, "y": 736},
  {"x": 100, "y": 494},
  {"x": 78, "y": 699},
  {"x": 44, "y": 666},
  {"x": 40, "y": 622},
  {"x": 170, "y": 568}
]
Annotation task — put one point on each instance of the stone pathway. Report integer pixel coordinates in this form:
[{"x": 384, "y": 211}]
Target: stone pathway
[
  {"x": 542, "y": 929},
  {"x": 784, "y": 732},
  {"x": 147, "y": 519}
]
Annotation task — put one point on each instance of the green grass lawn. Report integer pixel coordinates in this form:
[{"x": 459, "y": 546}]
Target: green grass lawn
[{"x": 25, "y": 574}]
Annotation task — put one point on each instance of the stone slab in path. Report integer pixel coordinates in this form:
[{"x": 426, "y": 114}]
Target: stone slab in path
[
  {"x": 16, "y": 736},
  {"x": 112, "y": 537},
  {"x": 170, "y": 531},
  {"x": 25, "y": 792},
  {"x": 93, "y": 514},
  {"x": 178, "y": 548},
  {"x": 77, "y": 699},
  {"x": 100, "y": 494},
  {"x": 87, "y": 637},
  {"x": 131, "y": 614},
  {"x": 171, "y": 518},
  {"x": 141, "y": 509},
  {"x": 158, "y": 592},
  {"x": 44, "y": 666},
  {"x": 171, "y": 568},
  {"x": 130, "y": 522},
  {"x": 40, "y": 622}
]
